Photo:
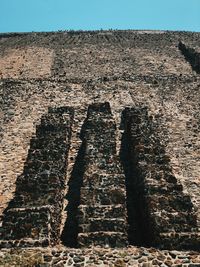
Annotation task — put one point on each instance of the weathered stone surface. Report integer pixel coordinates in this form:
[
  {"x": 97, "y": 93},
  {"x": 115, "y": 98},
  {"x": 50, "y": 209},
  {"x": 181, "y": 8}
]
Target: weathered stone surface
[
  {"x": 41, "y": 71},
  {"x": 191, "y": 55},
  {"x": 36, "y": 209},
  {"x": 128, "y": 257},
  {"x": 97, "y": 159},
  {"x": 158, "y": 210}
]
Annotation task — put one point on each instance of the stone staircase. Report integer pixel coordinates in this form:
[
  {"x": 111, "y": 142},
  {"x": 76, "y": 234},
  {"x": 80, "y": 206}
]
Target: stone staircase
[
  {"x": 166, "y": 213},
  {"x": 83, "y": 194},
  {"x": 102, "y": 210},
  {"x": 33, "y": 217}
]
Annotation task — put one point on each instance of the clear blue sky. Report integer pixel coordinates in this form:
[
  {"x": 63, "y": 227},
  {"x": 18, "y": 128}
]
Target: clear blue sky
[{"x": 52, "y": 15}]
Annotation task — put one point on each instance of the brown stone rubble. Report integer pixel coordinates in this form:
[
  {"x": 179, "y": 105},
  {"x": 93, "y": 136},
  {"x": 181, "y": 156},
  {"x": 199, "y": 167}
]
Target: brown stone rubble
[
  {"x": 105, "y": 257},
  {"x": 33, "y": 217},
  {"x": 99, "y": 148},
  {"x": 102, "y": 210},
  {"x": 165, "y": 215}
]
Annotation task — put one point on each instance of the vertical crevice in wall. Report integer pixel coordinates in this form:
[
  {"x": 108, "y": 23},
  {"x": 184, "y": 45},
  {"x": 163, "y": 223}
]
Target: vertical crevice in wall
[
  {"x": 70, "y": 232},
  {"x": 139, "y": 227},
  {"x": 191, "y": 55}
]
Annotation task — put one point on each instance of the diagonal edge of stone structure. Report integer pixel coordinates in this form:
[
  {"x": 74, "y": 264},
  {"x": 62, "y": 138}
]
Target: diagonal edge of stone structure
[
  {"x": 99, "y": 156},
  {"x": 165, "y": 216},
  {"x": 33, "y": 217},
  {"x": 191, "y": 55}
]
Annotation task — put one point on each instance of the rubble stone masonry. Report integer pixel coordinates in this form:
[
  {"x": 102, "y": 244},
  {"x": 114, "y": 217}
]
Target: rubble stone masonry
[
  {"x": 162, "y": 214},
  {"x": 33, "y": 217},
  {"x": 100, "y": 149}
]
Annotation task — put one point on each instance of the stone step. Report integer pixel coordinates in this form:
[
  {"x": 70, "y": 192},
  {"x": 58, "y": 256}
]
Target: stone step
[
  {"x": 42, "y": 142},
  {"x": 37, "y": 195},
  {"x": 37, "y": 167},
  {"x": 99, "y": 196},
  {"x": 112, "y": 170},
  {"x": 174, "y": 221},
  {"x": 182, "y": 240},
  {"x": 52, "y": 131},
  {"x": 174, "y": 201},
  {"x": 55, "y": 154},
  {"x": 105, "y": 225},
  {"x": 43, "y": 182},
  {"x": 103, "y": 211},
  {"x": 24, "y": 243},
  {"x": 20, "y": 223},
  {"x": 103, "y": 164},
  {"x": 103, "y": 239},
  {"x": 99, "y": 180}
]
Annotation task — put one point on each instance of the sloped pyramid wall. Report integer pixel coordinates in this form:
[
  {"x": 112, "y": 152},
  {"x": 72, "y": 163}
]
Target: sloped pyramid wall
[{"x": 155, "y": 151}]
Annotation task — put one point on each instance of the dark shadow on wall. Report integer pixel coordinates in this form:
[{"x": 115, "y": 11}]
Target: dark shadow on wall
[
  {"x": 70, "y": 232},
  {"x": 192, "y": 56},
  {"x": 35, "y": 210},
  {"x": 139, "y": 232}
]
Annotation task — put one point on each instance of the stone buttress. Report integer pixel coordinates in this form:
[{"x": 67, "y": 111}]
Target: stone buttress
[
  {"x": 102, "y": 213},
  {"x": 33, "y": 217},
  {"x": 160, "y": 213}
]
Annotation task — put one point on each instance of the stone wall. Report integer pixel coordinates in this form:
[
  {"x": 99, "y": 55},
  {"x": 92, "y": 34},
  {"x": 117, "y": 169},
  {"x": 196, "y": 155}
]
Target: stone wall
[
  {"x": 102, "y": 210},
  {"x": 159, "y": 213},
  {"x": 191, "y": 55},
  {"x": 126, "y": 68},
  {"x": 33, "y": 217},
  {"x": 96, "y": 210},
  {"x": 124, "y": 257},
  {"x": 165, "y": 215}
]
